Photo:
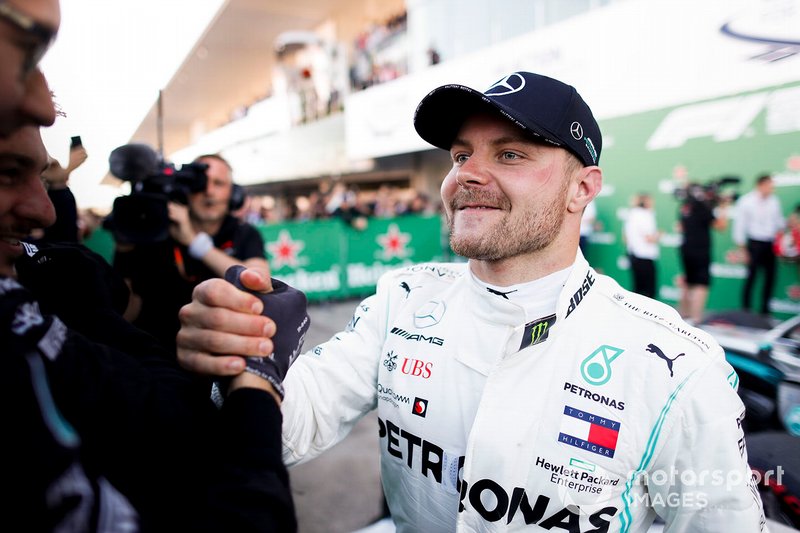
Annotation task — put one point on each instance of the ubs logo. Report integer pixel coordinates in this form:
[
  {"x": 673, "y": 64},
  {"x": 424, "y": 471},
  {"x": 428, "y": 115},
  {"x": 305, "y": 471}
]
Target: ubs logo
[
  {"x": 416, "y": 368},
  {"x": 511, "y": 84}
]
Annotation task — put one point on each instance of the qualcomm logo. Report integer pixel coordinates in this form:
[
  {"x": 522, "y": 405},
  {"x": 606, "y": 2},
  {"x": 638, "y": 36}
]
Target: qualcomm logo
[
  {"x": 509, "y": 85},
  {"x": 429, "y": 314}
]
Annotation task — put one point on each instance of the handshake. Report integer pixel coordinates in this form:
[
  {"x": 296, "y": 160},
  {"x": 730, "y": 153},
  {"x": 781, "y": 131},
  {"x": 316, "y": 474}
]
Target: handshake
[{"x": 288, "y": 308}]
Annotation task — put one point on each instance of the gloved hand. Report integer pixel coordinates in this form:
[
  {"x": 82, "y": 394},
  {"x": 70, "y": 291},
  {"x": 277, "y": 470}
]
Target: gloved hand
[{"x": 288, "y": 308}]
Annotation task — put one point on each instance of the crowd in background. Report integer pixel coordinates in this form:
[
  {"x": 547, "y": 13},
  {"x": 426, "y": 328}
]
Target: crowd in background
[
  {"x": 374, "y": 61},
  {"x": 338, "y": 200}
]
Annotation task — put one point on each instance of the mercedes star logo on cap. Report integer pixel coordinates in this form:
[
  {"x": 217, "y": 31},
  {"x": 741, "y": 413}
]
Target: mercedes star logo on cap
[
  {"x": 510, "y": 84},
  {"x": 576, "y": 130}
]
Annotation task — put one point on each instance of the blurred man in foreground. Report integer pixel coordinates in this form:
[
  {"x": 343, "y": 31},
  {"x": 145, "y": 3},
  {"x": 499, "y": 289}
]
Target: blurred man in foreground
[{"x": 105, "y": 433}]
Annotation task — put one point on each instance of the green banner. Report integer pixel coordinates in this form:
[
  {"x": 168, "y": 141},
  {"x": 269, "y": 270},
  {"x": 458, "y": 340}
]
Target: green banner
[
  {"x": 329, "y": 259},
  {"x": 742, "y": 135}
]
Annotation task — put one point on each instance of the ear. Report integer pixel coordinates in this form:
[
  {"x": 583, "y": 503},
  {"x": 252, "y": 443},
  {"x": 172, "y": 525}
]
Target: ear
[{"x": 589, "y": 181}]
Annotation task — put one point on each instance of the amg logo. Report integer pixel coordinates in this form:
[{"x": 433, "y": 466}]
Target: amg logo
[{"x": 438, "y": 341}]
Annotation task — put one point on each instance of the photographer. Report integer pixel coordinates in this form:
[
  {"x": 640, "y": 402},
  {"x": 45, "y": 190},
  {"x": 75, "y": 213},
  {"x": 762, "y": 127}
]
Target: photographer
[
  {"x": 701, "y": 210},
  {"x": 203, "y": 240}
]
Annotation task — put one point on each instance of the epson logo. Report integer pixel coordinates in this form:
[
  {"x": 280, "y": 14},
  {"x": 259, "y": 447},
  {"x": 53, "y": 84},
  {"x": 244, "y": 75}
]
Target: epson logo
[{"x": 438, "y": 341}]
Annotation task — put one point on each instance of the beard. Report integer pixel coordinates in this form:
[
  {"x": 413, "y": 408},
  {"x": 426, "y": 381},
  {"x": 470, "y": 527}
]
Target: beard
[{"x": 518, "y": 232}]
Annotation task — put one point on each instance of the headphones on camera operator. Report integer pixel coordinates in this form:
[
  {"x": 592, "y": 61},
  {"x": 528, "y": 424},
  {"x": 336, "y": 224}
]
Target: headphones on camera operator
[{"x": 238, "y": 193}]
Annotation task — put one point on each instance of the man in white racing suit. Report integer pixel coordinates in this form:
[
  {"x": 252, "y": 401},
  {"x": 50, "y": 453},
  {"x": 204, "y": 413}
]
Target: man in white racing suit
[{"x": 521, "y": 390}]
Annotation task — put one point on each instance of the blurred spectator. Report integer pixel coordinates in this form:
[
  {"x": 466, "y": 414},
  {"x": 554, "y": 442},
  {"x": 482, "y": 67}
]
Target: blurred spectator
[
  {"x": 787, "y": 242},
  {"x": 420, "y": 205},
  {"x": 349, "y": 211},
  {"x": 641, "y": 239},
  {"x": 757, "y": 220},
  {"x": 698, "y": 214},
  {"x": 56, "y": 178},
  {"x": 88, "y": 221},
  {"x": 433, "y": 56},
  {"x": 378, "y": 54}
]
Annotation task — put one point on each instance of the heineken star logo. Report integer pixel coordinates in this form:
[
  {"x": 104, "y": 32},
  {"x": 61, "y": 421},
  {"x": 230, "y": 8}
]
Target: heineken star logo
[
  {"x": 394, "y": 242},
  {"x": 284, "y": 251}
]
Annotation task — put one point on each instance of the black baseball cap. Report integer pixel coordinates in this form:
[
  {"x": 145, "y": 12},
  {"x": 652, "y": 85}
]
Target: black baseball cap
[{"x": 545, "y": 107}]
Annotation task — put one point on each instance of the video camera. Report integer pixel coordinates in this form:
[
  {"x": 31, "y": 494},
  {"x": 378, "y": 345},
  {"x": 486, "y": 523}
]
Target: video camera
[
  {"x": 710, "y": 193},
  {"x": 142, "y": 217}
]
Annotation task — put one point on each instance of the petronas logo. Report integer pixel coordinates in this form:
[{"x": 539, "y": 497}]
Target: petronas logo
[{"x": 596, "y": 369}]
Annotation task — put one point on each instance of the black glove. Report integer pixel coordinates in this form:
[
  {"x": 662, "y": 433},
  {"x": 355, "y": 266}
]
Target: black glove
[{"x": 288, "y": 308}]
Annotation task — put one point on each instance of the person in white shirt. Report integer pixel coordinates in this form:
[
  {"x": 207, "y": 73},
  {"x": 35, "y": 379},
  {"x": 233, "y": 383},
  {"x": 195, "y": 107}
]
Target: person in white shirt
[
  {"x": 641, "y": 238},
  {"x": 758, "y": 218}
]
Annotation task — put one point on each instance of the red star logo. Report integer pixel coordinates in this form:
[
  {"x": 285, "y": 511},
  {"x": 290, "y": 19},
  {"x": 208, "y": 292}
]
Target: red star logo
[
  {"x": 680, "y": 173},
  {"x": 284, "y": 251},
  {"x": 793, "y": 291},
  {"x": 394, "y": 242}
]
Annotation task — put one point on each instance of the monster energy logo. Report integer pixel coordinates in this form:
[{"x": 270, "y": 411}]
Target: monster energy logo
[{"x": 537, "y": 331}]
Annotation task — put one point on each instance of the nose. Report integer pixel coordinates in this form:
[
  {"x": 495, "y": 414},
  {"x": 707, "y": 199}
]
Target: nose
[
  {"x": 35, "y": 206},
  {"x": 472, "y": 172},
  {"x": 37, "y": 103}
]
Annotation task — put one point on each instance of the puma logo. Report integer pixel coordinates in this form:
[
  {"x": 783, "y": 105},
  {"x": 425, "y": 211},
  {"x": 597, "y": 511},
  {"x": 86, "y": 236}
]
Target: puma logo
[
  {"x": 405, "y": 287},
  {"x": 652, "y": 348}
]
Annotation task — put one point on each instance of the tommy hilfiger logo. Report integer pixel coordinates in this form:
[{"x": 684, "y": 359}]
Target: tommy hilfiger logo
[
  {"x": 420, "y": 407},
  {"x": 593, "y": 433}
]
